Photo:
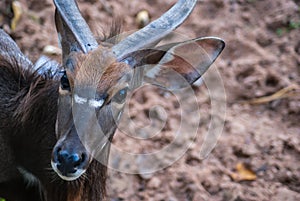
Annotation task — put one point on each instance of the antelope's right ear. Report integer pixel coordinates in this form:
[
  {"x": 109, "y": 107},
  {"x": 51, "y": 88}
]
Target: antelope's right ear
[{"x": 177, "y": 65}]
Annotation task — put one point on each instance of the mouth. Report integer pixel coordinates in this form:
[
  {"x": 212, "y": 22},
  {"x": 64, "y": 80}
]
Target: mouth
[{"x": 67, "y": 176}]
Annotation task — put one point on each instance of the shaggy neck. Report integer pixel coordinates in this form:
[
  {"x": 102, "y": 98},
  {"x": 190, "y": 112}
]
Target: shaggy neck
[
  {"x": 28, "y": 108},
  {"x": 36, "y": 112}
]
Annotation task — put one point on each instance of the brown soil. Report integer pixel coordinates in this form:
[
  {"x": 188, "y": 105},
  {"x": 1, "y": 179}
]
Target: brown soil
[{"x": 262, "y": 56}]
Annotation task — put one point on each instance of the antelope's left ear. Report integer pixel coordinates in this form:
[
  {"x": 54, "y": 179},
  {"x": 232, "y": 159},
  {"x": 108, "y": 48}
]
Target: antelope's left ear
[{"x": 177, "y": 65}]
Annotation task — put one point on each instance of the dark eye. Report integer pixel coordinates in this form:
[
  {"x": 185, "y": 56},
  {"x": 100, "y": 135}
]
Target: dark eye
[
  {"x": 64, "y": 82},
  {"x": 121, "y": 95}
]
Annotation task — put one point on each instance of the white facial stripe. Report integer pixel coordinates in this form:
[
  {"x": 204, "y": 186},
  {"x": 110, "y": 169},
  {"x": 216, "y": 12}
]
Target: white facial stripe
[
  {"x": 79, "y": 99},
  {"x": 95, "y": 103},
  {"x": 92, "y": 102}
]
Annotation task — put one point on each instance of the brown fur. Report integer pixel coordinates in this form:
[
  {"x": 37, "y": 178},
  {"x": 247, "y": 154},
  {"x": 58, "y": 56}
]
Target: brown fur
[{"x": 99, "y": 66}]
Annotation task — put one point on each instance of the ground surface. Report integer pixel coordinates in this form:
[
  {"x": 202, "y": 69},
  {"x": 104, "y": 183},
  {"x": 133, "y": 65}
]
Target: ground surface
[{"x": 257, "y": 156}]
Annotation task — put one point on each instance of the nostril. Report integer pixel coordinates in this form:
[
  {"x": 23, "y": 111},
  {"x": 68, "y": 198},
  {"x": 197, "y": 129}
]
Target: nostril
[
  {"x": 62, "y": 156},
  {"x": 76, "y": 160},
  {"x": 72, "y": 160},
  {"x": 79, "y": 161},
  {"x": 83, "y": 157},
  {"x": 69, "y": 161}
]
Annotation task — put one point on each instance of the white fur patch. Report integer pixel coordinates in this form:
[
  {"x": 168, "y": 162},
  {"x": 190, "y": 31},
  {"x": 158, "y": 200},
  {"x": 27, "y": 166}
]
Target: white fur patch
[
  {"x": 79, "y": 99},
  {"x": 92, "y": 102},
  {"x": 30, "y": 178},
  {"x": 63, "y": 92},
  {"x": 96, "y": 103}
]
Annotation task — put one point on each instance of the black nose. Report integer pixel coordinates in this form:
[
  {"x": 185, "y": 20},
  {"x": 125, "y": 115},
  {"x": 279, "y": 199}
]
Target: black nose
[{"x": 69, "y": 162}]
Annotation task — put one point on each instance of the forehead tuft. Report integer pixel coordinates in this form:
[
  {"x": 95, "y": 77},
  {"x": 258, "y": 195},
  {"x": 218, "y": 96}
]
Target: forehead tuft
[{"x": 98, "y": 69}]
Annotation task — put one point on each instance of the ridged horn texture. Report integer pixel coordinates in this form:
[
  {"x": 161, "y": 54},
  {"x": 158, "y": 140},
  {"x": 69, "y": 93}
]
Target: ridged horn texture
[
  {"x": 70, "y": 13},
  {"x": 156, "y": 30}
]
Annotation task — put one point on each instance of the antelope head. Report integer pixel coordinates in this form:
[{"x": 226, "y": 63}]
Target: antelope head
[{"x": 96, "y": 78}]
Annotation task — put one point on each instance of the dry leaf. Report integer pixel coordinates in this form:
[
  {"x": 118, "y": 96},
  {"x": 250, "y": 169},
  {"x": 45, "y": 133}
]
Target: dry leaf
[
  {"x": 292, "y": 90},
  {"x": 243, "y": 173},
  {"x": 52, "y": 50},
  {"x": 17, "y": 10},
  {"x": 142, "y": 18}
]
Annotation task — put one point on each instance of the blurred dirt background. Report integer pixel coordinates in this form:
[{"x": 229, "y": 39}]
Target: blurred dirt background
[{"x": 258, "y": 154}]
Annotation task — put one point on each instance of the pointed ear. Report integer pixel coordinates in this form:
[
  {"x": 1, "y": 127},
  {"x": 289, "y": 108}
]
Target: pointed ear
[{"x": 177, "y": 65}]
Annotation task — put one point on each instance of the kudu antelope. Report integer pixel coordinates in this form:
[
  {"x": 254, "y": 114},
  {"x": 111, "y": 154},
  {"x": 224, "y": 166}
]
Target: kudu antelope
[{"x": 50, "y": 124}]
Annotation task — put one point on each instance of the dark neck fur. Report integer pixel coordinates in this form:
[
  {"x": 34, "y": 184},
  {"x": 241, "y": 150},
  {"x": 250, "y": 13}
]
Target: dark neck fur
[{"x": 29, "y": 106}]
